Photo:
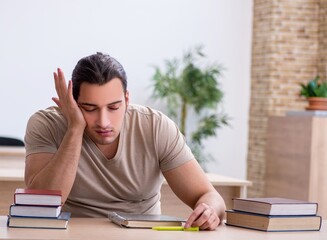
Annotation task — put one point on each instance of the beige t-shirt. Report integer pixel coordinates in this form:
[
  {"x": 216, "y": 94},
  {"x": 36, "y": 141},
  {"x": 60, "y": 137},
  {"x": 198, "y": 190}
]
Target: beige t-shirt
[{"x": 149, "y": 143}]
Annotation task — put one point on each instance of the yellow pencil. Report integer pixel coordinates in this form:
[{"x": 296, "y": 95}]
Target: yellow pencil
[{"x": 175, "y": 228}]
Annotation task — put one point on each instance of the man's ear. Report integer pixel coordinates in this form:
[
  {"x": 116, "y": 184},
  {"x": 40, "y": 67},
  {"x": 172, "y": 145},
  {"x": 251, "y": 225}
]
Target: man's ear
[{"x": 127, "y": 98}]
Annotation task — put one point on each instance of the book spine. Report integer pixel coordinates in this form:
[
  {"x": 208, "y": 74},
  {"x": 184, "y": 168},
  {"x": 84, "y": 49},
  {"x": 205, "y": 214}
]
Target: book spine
[{"x": 115, "y": 218}]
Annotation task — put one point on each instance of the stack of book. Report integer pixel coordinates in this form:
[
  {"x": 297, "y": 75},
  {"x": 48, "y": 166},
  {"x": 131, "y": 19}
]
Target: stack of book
[
  {"x": 274, "y": 214},
  {"x": 37, "y": 208}
]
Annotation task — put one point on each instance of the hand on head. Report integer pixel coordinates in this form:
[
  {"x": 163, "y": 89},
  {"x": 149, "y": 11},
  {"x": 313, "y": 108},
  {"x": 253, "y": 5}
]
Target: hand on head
[{"x": 66, "y": 102}]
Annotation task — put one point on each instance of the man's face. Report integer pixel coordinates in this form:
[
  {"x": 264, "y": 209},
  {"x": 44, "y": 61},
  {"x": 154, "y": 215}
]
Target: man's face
[{"x": 104, "y": 109}]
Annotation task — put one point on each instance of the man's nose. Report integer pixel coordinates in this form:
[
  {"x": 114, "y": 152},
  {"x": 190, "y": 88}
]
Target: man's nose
[{"x": 103, "y": 118}]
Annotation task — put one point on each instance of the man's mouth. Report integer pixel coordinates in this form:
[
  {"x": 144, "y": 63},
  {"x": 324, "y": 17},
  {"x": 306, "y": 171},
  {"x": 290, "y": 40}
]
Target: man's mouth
[{"x": 105, "y": 133}]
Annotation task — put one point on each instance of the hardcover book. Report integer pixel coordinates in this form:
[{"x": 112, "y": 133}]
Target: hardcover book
[
  {"x": 37, "y": 197},
  {"x": 34, "y": 211},
  {"x": 34, "y": 222},
  {"x": 143, "y": 220},
  {"x": 273, "y": 223},
  {"x": 275, "y": 206}
]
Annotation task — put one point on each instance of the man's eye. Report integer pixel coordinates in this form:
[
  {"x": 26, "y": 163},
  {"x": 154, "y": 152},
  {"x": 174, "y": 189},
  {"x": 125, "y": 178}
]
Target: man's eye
[
  {"x": 89, "y": 109},
  {"x": 113, "y": 108}
]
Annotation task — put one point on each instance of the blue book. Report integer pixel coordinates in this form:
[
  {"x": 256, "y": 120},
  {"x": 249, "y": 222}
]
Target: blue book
[{"x": 34, "y": 211}]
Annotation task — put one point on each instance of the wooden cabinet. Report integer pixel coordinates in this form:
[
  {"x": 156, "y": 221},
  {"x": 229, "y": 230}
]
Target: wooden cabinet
[{"x": 296, "y": 158}]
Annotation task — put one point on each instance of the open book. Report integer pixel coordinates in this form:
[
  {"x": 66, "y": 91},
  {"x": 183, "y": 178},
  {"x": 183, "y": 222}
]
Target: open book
[{"x": 143, "y": 220}]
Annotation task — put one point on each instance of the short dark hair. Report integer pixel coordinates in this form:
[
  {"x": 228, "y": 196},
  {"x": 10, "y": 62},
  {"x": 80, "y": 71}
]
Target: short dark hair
[{"x": 98, "y": 69}]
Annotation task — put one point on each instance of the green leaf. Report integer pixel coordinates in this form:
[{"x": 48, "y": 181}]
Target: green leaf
[
  {"x": 191, "y": 84},
  {"x": 314, "y": 88}
]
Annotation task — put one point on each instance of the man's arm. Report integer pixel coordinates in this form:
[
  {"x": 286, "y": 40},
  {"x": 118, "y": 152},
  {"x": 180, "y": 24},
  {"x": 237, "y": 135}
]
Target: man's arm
[
  {"x": 58, "y": 171},
  {"x": 55, "y": 171},
  {"x": 190, "y": 184}
]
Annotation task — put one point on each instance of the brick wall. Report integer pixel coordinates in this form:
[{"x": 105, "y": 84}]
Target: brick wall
[
  {"x": 322, "y": 52},
  {"x": 289, "y": 46}
]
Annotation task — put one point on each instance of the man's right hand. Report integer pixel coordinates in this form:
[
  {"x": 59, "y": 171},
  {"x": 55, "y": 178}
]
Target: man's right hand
[
  {"x": 58, "y": 170},
  {"x": 66, "y": 102}
]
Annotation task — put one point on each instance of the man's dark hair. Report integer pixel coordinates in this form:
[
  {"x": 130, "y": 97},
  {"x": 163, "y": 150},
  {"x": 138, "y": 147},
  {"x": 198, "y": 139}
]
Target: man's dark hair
[{"x": 98, "y": 69}]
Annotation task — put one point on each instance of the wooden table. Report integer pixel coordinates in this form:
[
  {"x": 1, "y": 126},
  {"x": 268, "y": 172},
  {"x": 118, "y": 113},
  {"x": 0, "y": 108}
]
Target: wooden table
[
  {"x": 102, "y": 228},
  {"x": 12, "y": 164},
  {"x": 228, "y": 187}
]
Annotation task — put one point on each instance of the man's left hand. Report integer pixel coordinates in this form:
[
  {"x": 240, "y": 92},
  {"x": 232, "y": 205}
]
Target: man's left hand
[{"x": 204, "y": 217}]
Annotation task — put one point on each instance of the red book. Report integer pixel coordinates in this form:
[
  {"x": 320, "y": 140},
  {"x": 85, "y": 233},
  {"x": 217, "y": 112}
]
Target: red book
[{"x": 37, "y": 197}]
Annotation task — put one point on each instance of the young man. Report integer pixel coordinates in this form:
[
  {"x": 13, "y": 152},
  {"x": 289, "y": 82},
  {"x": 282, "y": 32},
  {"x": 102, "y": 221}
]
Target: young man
[{"x": 106, "y": 154}]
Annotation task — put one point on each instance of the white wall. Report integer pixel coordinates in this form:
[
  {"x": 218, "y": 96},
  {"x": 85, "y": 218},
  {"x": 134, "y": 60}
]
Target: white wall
[{"x": 37, "y": 36}]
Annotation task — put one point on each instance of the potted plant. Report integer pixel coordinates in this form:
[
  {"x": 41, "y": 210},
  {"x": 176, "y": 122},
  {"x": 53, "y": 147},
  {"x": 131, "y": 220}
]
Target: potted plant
[
  {"x": 315, "y": 92},
  {"x": 188, "y": 87}
]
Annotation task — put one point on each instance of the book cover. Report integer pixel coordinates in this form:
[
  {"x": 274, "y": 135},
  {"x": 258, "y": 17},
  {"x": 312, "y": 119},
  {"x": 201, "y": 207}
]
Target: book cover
[
  {"x": 60, "y": 222},
  {"x": 37, "y": 197},
  {"x": 34, "y": 211},
  {"x": 275, "y": 206},
  {"x": 273, "y": 223},
  {"x": 143, "y": 220}
]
